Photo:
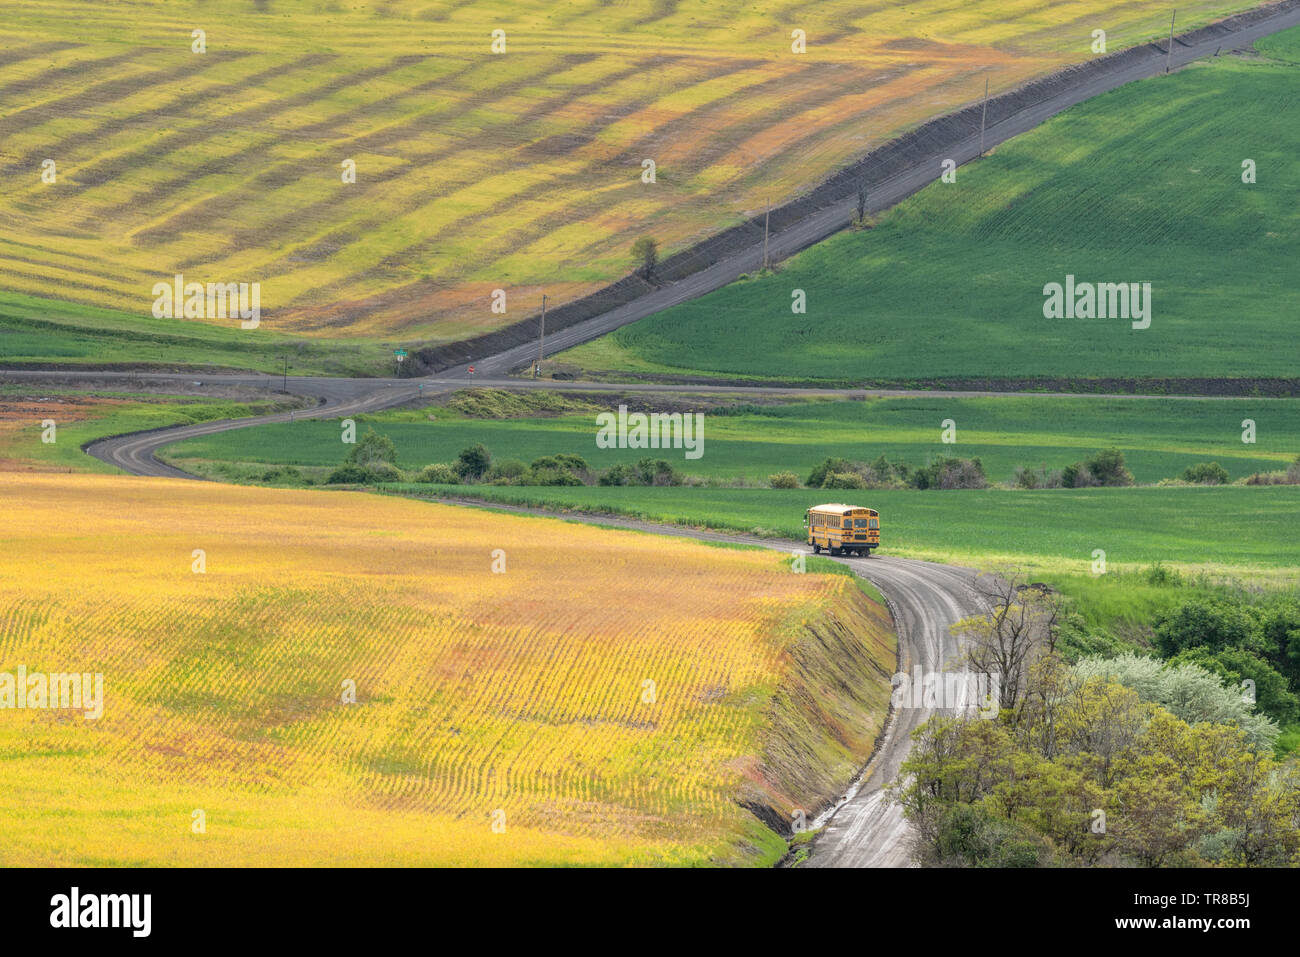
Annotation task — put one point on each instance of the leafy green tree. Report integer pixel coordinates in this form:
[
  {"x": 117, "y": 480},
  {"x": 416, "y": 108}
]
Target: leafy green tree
[
  {"x": 817, "y": 477},
  {"x": 1107, "y": 468},
  {"x": 646, "y": 253},
  {"x": 372, "y": 449},
  {"x": 473, "y": 462},
  {"x": 1202, "y": 623}
]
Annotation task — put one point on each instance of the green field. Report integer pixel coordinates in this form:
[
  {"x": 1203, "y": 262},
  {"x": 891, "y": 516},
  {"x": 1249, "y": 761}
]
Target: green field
[
  {"x": 37, "y": 331},
  {"x": 81, "y": 417},
  {"x": 1141, "y": 184},
  {"x": 1240, "y": 530},
  {"x": 474, "y": 169},
  {"x": 1160, "y": 437}
]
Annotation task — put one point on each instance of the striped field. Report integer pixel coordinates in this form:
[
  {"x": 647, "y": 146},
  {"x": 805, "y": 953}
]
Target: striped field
[
  {"x": 474, "y": 170},
  {"x": 609, "y": 697}
]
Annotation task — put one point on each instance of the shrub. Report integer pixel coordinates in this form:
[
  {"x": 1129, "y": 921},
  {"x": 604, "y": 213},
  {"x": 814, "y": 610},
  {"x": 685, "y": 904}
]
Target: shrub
[
  {"x": 1206, "y": 473},
  {"x": 619, "y": 475},
  {"x": 1162, "y": 576},
  {"x": 1037, "y": 478},
  {"x": 439, "y": 473},
  {"x": 1187, "y": 690},
  {"x": 372, "y": 448},
  {"x": 658, "y": 472},
  {"x": 473, "y": 462},
  {"x": 508, "y": 469},
  {"x": 574, "y": 463},
  {"x": 817, "y": 477},
  {"x": 1078, "y": 476},
  {"x": 783, "y": 480},
  {"x": 844, "y": 480},
  {"x": 564, "y": 462},
  {"x": 383, "y": 472},
  {"x": 946, "y": 473},
  {"x": 1107, "y": 468},
  {"x": 1290, "y": 477},
  {"x": 348, "y": 475},
  {"x": 550, "y": 476},
  {"x": 1234, "y": 666},
  {"x": 285, "y": 473},
  {"x": 644, "y": 472}
]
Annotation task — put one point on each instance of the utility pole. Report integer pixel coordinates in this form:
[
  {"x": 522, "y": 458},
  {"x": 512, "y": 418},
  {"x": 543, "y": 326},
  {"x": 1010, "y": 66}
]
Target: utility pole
[
  {"x": 766, "y": 217},
  {"x": 984, "y": 115},
  {"x": 541, "y": 339},
  {"x": 1169, "y": 57},
  {"x": 284, "y": 382}
]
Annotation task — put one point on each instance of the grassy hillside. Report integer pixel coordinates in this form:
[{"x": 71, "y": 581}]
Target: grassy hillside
[
  {"x": 1142, "y": 184},
  {"x": 474, "y": 170},
  {"x": 69, "y": 335},
  {"x": 598, "y": 723},
  {"x": 1160, "y": 437},
  {"x": 81, "y": 417},
  {"x": 1238, "y": 529}
]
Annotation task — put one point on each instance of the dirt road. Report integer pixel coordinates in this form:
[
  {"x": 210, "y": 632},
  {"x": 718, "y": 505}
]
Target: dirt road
[{"x": 925, "y": 599}]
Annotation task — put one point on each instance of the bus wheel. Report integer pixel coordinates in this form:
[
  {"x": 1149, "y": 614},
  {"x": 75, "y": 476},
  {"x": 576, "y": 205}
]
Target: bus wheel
[{"x": 817, "y": 549}]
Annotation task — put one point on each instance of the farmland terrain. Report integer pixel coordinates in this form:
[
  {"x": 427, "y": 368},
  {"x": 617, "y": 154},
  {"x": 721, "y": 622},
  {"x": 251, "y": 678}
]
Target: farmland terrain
[
  {"x": 948, "y": 287},
  {"x": 228, "y": 163},
  {"x": 688, "y": 721},
  {"x": 590, "y": 730}
]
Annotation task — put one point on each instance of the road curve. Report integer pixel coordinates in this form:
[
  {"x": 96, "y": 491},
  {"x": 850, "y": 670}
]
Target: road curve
[
  {"x": 136, "y": 451},
  {"x": 925, "y": 598}
]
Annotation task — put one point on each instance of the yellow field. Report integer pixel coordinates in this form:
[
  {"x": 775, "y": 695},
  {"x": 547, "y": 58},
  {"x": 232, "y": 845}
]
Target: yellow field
[
  {"x": 474, "y": 170},
  {"x": 522, "y": 692}
]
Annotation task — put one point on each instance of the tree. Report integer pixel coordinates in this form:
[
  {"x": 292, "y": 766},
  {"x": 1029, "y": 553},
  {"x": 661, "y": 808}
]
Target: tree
[
  {"x": 1237, "y": 665},
  {"x": 1206, "y": 473},
  {"x": 473, "y": 461},
  {"x": 646, "y": 252},
  {"x": 373, "y": 449},
  {"x": 1107, "y": 468},
  {"x": 1019, "y": 627},
  {"x": 1200, "y": 622}
]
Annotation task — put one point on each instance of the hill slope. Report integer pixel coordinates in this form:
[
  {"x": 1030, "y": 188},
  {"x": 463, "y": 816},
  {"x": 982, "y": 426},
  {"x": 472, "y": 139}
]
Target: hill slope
[
  {"x": 607, "y": 724},
  {"x": 1144, "y": 184},
  {"x": 474, "y": 170}
]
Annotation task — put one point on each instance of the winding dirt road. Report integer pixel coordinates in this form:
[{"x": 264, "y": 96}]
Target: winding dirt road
[
  {"x": 925, "y": 598},
  {"x": 864, "y": 829}
]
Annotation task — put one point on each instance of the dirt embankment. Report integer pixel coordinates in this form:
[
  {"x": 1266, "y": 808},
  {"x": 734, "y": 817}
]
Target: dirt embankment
[{"x": 825, "y": 717}]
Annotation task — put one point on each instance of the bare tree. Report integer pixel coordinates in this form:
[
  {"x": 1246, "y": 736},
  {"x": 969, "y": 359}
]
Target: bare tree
[{"x": 1018, "y": 629}]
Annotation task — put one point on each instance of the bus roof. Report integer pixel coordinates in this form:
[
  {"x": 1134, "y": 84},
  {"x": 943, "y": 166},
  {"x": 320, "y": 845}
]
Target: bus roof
[{"x": 841, "y": 509}]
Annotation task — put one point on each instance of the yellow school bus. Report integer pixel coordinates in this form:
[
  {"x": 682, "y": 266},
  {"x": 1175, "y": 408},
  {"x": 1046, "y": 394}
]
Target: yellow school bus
[{"x": 843, "y": 529}]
